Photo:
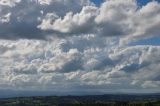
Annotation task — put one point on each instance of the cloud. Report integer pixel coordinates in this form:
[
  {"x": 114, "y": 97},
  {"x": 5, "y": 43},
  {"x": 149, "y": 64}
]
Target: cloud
[
  {"x": 71, "y": 24},
  {"x": 145, "y": 22},
  {"x": 9, "y": 3},
  {"x": 5, "y": 18},
  {"x": 115, "y": 17},
  {"x": 26, "y": 15},
  {"x": 73, "y": 46},
  {"x": 44, "y": 2},
  {"x": 45, "y": 19},
  {"x": 104, "y": 21},
  {"x": 112, "y": 18},
  {"x": 151, "y": 84},
  {"x": 55, "y": 65}
]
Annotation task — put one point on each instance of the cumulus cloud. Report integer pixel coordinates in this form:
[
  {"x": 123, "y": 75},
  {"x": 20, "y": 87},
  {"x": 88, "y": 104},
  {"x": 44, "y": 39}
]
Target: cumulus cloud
[
  {"x": 26, "y": 15},
  {"x": 112, "y": 18},
  {"x": 55, "y": 65},
  {"x": 71, "y": 24},
  {"x": 46, "y": 19}
]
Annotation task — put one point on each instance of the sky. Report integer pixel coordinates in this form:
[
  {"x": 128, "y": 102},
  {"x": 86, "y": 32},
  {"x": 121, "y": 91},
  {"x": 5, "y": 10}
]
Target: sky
[{"x": 65, "y": 47}]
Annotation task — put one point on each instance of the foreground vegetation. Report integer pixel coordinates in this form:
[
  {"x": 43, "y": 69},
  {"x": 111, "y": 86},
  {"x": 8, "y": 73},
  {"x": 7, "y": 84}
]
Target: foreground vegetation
[{"x": 104, "y": 100}]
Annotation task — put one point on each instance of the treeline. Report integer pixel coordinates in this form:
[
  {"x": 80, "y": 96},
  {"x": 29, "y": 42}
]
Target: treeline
[
  {"x": 39, "y": 103},
  {"x": 111, "y": 100},
  {"x": 143, "y": 103}
]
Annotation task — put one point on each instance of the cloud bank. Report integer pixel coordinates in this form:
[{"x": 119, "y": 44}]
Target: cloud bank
[{"x": 69, "y": 64}]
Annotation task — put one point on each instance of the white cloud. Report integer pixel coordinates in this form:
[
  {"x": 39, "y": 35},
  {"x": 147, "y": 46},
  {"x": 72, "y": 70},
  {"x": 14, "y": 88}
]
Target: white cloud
[
  {"x": 5, "y": 18},
  {"x": 151, "y": 84},
  {"x": 145, "y": 22},
  {"x": 112, "y": 18},
  {"x": 44, "y": 2},
  {"x": 27, "y": 15},
  {"x": 71, "y": 23},
  {"x": 10, "y": 3},
  {"x": 127, "y": 18}
]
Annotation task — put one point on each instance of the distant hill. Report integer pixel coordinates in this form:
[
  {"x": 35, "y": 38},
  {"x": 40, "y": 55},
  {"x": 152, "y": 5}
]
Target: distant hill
[{"x": 90, "y": 100}]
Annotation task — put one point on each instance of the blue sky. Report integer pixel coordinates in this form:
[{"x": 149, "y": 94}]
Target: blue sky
[
  {"x": 148, "y": 41},
  {"x": 140, "y": 2},
  {"x": 98, "y": 2},
  {"x": 144, "y": 2}
]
